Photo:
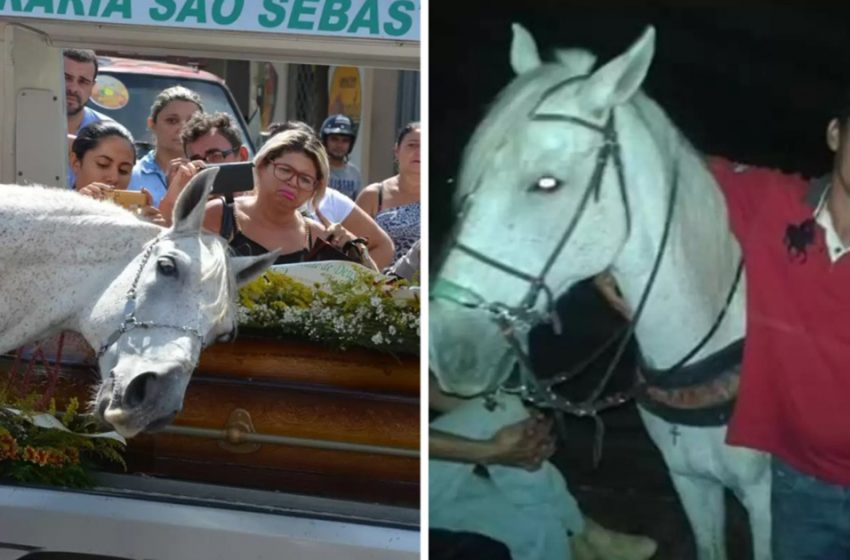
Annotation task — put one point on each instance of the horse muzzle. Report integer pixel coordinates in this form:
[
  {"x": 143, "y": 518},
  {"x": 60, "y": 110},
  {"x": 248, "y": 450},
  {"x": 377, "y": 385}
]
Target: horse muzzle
[{"x": 145, "y": 401}]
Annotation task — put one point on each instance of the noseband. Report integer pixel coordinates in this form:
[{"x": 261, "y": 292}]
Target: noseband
[{"x": 131, "y": 322}]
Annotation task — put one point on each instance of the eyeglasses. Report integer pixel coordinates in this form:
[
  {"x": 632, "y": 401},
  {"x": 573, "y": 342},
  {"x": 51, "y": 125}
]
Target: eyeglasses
[
  {"x": 214, "y": 156},
  {"x": 285, "y": 173}
]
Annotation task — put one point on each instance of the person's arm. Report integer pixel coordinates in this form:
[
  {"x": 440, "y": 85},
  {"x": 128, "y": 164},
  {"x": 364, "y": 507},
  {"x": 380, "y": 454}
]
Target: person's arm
[
  {"x": 746, "y": 189},
  {"x": 180, "y": 172},
  {"x": 150, "y": 212},
  {"x": 94, "y": 190},
  {"x": 525, "y": 444},
  {"x": 338, "y": 235},
  {"x": 407, "y": 267},
  {"x": 368, "y": 200},
  {"x": 449, "y": 447},
  {"x": 381, "y": 247},
  {"x": 607, "y": 287},
  {"x": 213, "y": 214}
]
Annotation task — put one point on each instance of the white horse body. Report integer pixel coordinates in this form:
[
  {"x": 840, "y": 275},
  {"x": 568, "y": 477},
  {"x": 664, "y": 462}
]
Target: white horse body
[
  {"x": 82, "y": 246},
  {"x": 148, "y": 299},
  {"x": 501, "y": 168}
]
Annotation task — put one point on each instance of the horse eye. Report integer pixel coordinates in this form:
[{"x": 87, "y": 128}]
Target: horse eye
[
  {"x": 547, "y": 184},
  {"x": 166, "y": 266}
]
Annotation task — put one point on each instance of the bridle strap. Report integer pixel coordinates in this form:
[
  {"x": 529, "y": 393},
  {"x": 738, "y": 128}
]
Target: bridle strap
[
  {"x": 610, "y": 149},
  {"x": 130, "y": 320}
]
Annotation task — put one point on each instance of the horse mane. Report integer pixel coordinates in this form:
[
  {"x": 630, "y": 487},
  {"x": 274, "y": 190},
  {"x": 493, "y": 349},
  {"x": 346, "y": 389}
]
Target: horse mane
[
  {"x": 700, "y": 211},
  {"x": 228, "y": 289}
]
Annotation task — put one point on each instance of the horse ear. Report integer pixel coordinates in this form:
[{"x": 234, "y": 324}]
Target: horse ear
[
  {"x": 189, "y": 209},
  {"x": 619, "y": 79},
  {"x": 524, "y": 55},
  {"x": 246, "y": 269}
]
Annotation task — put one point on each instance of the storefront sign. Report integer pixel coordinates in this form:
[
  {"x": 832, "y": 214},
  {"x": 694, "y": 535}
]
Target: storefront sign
[{"x": 367, "y": 19}]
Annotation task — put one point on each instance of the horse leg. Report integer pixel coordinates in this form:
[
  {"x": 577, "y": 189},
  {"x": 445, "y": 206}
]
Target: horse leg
[
  {"x": 756, "y": 499},
  {"x": 705, "y": 507}
]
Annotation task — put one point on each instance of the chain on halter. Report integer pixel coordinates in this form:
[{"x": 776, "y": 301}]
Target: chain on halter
[
  {"x": 511, "y": 319},
  {"x": 130, "y": 321}
]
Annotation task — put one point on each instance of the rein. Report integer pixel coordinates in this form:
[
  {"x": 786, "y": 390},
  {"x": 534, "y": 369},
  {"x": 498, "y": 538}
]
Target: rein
[
  {"x": 130, "y": 321},
  {"x": 512, "y": 319}
]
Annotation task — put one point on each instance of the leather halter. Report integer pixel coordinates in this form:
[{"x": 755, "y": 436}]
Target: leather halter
[{"x": 131, "y": 322}]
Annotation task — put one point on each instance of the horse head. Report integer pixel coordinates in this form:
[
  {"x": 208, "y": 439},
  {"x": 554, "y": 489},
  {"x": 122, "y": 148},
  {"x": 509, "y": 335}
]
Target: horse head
[
  {"x": 168, "y": 303},
  {"x": 542, "y": 203}
]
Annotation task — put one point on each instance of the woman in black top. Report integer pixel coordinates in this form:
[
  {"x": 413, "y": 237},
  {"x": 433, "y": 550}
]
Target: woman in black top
[{"x": 290, "y": 169}]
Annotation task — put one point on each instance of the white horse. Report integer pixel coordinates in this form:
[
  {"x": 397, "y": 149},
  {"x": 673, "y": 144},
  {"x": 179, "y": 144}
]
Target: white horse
[
  {"x": 148, "y": 299},
  {"x": 572, "y": 173}
]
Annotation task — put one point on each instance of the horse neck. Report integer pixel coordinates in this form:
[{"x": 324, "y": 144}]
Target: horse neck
[
  {"x": 700, "y": 257},
  {"x": 59, "y": 227}
]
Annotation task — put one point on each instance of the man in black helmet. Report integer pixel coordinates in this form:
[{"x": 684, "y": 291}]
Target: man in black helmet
[{"x": 338, "y": 136}]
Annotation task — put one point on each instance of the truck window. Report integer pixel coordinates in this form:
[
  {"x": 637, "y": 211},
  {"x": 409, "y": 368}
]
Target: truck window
[{"x": 141, "y": 89}]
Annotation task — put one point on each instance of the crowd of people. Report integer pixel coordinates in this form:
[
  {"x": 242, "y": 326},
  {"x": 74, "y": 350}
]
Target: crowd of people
[{"x": 307, "y": 199}]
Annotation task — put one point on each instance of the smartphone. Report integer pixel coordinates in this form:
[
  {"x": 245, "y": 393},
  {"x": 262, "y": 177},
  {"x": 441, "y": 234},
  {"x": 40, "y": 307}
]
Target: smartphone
[
  {"x": 128, "y": 199},
  {"x": 233, "y": 177}
]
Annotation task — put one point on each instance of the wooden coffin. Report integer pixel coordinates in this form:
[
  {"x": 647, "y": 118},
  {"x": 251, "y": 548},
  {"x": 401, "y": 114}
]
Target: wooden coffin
[{"x": 279, "y": 414}]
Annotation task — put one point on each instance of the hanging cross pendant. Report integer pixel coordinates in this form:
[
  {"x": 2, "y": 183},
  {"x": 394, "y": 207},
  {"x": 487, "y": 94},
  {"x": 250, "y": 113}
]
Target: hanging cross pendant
[{"x": 675, "y": 433}]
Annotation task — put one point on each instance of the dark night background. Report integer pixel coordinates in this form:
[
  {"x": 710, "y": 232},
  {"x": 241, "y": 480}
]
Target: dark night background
[{"x": 755, "y": 83}]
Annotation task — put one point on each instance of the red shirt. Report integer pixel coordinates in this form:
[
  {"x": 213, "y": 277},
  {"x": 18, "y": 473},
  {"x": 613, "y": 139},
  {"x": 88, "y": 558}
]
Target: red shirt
[{"x": 794, "y": 398}]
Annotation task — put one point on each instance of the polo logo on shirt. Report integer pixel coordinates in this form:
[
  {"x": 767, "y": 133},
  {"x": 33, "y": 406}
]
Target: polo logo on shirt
[{"x": 798, "y": 237}]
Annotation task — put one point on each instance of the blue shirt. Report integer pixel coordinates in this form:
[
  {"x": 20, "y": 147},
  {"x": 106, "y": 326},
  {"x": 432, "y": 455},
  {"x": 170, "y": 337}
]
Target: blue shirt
[
  {"x": 89, "y": 116},
  {"x": 149, "y": 176}
]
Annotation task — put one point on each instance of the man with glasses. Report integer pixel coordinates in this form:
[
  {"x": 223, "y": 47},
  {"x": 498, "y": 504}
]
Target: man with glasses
[
  {"x": 80, "y": 74},
  {"x": 213, "y": 138}
]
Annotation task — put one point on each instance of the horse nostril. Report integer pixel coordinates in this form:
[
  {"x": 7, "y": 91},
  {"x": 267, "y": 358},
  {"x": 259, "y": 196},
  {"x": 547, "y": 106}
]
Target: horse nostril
[{"x": 138, "y": 388}]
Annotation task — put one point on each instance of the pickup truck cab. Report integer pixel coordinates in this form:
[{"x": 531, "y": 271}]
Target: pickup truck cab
[{"x": 125, "y": 89}]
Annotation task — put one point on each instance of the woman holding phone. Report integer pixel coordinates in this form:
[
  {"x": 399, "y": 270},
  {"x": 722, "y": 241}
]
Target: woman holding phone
[{"x": 102, "y": 158}]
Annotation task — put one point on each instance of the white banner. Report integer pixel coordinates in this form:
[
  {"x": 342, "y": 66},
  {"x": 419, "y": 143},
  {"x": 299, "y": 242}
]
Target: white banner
[{"x": 369, "y": 19}]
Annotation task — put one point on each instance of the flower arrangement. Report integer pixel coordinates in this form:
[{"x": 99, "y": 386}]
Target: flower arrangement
[
  {"x": 357, "y": 310},
  {"x": 50, "y": 448}
]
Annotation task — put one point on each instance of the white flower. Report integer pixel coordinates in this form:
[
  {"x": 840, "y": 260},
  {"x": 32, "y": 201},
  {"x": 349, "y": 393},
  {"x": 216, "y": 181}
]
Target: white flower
[
  {"x": 392, "y": 329},
  {"x": 378, "y": 338}
]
